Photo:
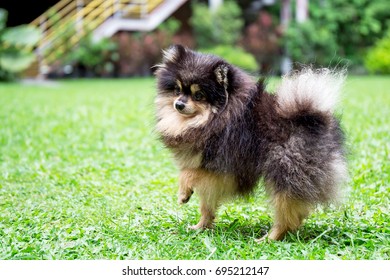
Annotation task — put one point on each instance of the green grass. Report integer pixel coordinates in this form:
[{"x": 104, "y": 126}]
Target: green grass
[{"x": 83, "y": 176}]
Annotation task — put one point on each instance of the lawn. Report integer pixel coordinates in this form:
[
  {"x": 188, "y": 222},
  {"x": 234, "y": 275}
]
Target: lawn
[{"x": 83, "y": 176}]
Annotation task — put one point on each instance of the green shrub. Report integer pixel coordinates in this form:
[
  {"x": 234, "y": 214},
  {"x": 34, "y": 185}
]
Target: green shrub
[
  {"x": 350, "y": 27},
  {"x": 201, "y": 21},
  {"x": 236, "y": 56},
  {"x": 378, "y": 57},
  {"x": 16, "y": 45},
  {"x": 228, "y": 23},
  {"x": 309, "y": 43},
  {"x": 96, "y": 57},
  {"x": 223, "y": 26}
]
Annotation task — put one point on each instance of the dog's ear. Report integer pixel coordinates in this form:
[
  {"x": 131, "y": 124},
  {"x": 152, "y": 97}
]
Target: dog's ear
[
  {"x": 174, "y": 54},
  {"x": 221, "y": 74}
]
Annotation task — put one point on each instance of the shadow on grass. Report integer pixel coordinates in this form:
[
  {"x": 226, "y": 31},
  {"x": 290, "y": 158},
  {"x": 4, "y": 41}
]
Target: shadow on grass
[{"x": 309, "y": 233}]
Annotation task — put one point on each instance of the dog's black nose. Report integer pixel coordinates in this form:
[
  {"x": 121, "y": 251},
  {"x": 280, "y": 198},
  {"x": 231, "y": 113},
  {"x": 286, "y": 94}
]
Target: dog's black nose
[{"x": 179, "y": 105}]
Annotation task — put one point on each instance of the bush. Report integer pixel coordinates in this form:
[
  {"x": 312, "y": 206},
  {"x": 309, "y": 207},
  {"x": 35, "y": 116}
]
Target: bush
[
  {"x": 339, "y": 28},
  {"x": 309, "y": 43},
  {"x": 223, "y": 26},
  {"x": 96, "y": 58},
  {"x": 16, "y": 45},
  {"x": 377, "y": 59},
  {"x": 235, "y": 56},
  {"x": 203, "y": 26},
  {"x": 228, "y": 23}
]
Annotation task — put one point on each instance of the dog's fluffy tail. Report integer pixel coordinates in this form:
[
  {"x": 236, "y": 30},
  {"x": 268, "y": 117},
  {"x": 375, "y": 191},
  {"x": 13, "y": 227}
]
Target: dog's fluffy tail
[{"x": 309, "y": 92}]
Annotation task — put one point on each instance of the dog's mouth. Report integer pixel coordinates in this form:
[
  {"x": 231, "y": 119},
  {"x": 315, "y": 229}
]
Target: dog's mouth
[
  {"x": 186, "y": 113},
  {"x": 184, "y": 109}
]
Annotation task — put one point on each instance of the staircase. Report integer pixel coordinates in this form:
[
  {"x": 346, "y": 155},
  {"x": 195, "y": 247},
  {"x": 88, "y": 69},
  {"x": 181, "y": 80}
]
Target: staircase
[{"x": 67, "y": 22}]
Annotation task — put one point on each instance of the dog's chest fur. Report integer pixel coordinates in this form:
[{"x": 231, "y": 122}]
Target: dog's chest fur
[{"x": 187, "y": 158}]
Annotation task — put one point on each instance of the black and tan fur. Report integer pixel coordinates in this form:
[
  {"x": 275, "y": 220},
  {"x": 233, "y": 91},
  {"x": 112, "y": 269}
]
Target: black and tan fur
[{"x": 226, "y": 132}]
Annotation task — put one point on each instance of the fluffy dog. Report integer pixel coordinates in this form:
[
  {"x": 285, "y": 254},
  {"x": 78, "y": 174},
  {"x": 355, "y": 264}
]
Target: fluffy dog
[{"x": 226, "y": 132}]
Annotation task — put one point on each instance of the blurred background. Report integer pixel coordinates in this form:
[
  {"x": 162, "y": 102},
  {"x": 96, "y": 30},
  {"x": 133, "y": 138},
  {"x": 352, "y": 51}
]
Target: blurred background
[{"x": 124, "y": 38}]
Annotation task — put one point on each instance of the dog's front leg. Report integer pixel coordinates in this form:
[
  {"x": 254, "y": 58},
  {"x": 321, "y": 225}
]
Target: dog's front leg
[
  {"x": 207, "y": 212},
  {"x": 204, "y": 184},
  {"x": 212, "y": 189},
  {"x": 186, "y": 186}
]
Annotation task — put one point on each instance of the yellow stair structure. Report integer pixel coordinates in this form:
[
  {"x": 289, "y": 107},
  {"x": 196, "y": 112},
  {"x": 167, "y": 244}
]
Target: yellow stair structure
[{"x": 67, "y": 22}]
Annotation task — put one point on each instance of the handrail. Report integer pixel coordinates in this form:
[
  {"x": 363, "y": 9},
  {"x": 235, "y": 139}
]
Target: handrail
[
  {"x": 67, "y": 22},
  {"x": 56, "y": 7}
]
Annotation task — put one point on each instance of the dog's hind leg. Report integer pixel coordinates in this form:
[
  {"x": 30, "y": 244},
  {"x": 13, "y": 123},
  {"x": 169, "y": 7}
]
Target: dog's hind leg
[{"x": 289, "y": 215}]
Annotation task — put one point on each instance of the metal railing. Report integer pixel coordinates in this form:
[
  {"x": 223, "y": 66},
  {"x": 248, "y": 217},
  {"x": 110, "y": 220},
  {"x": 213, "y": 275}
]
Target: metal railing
[{"x": 66, "y": 23}]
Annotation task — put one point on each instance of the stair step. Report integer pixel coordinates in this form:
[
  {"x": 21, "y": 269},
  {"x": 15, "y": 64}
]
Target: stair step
[{"x": 32, "y": 71}]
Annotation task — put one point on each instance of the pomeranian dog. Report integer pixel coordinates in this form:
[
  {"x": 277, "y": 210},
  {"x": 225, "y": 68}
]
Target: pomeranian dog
[{"x": 226, "y": 133}]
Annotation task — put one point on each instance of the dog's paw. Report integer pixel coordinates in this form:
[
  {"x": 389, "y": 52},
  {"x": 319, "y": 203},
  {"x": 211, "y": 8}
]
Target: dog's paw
[
  {"x": 196, "y": 227},
  {"x": 275, "y": 234},
  {"x": 201, "y": 226},
  {"x": 263, "y": 239},
  {"x": 184, "y": 197}
]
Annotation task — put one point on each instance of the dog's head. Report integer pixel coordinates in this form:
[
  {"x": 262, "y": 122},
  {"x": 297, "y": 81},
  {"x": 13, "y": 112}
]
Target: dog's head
[{"x": 194, "y": 84}]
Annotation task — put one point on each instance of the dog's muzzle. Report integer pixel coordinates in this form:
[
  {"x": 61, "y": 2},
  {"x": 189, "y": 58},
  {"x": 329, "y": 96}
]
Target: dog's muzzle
[{"x": 179, "y": 105}]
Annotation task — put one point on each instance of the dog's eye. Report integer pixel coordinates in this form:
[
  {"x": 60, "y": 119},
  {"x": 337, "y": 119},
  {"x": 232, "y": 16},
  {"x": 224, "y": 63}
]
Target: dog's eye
[
  {"x": 177, "y": 89},
  {"x": 198, "y": 95}
]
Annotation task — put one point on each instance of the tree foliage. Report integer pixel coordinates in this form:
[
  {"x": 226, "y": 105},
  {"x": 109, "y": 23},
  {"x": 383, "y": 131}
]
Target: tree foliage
[
  {"x": 220, "y": 27},
  {"x": 219, "y": 31},
  {"x": 310, "y": 44},
  {"x": 95, "y": 56},
  {"x": 15, "y": 47},
  {"x": 339, "y": 28},
  {"x": 378, "y": 57}
]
